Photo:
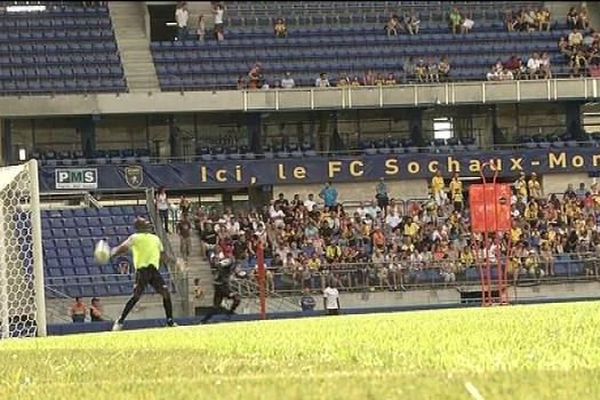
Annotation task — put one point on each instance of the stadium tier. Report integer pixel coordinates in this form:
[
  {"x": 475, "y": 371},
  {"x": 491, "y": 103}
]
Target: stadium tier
[
  {"x": 64, "y": 49},
  {"x": 70, "y": 236},
  {"x": 347, "y": 38}
]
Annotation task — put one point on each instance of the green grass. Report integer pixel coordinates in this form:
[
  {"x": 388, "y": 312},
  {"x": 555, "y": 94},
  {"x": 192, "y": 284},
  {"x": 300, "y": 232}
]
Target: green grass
[{"x": 521, "y": 352}]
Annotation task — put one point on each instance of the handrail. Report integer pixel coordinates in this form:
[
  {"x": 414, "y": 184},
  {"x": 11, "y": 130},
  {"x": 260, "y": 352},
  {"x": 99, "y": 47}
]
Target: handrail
[{"x": 174, "y": 267}]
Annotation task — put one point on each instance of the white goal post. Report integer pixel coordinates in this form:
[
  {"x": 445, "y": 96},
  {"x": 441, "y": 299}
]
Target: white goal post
[{"x": 22, "y": 297}]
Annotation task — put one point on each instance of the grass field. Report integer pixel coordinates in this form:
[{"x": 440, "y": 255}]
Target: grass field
[{"x": 521, "y": 352}]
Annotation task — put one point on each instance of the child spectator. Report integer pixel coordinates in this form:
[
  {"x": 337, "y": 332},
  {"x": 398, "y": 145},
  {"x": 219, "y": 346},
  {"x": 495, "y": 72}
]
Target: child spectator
[
  {"x": 444, "y": 69},
  {"x": 280, "y": 28}
]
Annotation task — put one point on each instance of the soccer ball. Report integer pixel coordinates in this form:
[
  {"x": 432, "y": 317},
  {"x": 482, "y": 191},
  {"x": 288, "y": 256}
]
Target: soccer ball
[{"x": 102, "y": 252}]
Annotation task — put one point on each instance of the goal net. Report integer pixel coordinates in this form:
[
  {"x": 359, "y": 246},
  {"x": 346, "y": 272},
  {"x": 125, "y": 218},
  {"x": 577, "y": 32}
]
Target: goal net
[{"x": 22, "y": 305}]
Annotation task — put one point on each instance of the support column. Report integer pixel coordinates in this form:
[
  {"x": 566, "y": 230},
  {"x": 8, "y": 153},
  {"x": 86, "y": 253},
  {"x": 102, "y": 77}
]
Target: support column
[
  {"x": 174, "y": 137},
  {"x": 6, "y": 156},
  {"x": 254, "y": 125},
  {"x": 416, "y": 127},
  {"x": 573, "y": 120},
  {"x": 88, "y": 135}
]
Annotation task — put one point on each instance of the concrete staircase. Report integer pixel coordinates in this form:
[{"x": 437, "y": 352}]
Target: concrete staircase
[
  {"x": 129, "y": 22},
  {"x": 197, "y": 268}
]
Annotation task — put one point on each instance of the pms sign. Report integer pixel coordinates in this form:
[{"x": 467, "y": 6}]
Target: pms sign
[{"x": 76, "y": 178}]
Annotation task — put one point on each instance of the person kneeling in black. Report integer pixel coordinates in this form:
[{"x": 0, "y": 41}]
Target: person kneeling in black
[{"x": 223, "y": 291}]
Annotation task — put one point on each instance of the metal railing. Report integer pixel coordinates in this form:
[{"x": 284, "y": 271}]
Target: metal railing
[
  {"x": 181, "y": 284},
  {"x": 406, "y": 275}
]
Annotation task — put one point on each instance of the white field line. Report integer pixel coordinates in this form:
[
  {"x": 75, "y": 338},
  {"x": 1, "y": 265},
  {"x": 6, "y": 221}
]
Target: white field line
[
  {"x": 473, "y": 391},
  {"x": 218, "y": 379}
]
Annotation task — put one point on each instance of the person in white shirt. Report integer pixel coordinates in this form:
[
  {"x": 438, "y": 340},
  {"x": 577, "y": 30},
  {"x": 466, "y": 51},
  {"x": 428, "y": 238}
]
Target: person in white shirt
[
  {"x": 218, "y": 13},
  {"x": 288, "y": 82},
  {"x": 331, "y": 300},
  {"x": 162, "y": 204},
  {"x": 533, "y": 66},
  {"x": 310, "y": 203},
  {"x": 322, "y": 81},
  {"x": 181, "y": 16}
]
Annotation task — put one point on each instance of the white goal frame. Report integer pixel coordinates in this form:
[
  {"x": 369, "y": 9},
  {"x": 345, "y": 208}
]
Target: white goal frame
[{"x": 22, "y": 181}]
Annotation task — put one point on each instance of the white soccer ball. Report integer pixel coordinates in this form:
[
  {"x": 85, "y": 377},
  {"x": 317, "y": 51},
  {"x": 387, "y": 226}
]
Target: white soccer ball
[{"x": 102, "y": 252}]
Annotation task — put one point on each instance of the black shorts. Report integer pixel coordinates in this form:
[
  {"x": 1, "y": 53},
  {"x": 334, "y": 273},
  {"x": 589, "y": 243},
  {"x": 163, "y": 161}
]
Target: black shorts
[{"x": 149, "y": 276}]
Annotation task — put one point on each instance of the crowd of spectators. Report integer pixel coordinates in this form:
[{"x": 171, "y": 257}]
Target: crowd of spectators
[
  {"x": 537, "y": 67},
  {"x": 582, "y": 50},
  {"x": 528, "y": 20},
  {"x": 386, "y": 243},
  {"x": 408, "y": 24}
]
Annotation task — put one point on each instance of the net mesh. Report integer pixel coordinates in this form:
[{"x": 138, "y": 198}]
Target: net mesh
[{"x": 17, "y": 289}]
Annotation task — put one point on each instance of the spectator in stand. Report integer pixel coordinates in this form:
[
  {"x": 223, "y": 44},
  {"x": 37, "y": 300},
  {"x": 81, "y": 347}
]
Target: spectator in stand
[
  {"x": 322, "y": 81},
  {"x": 565, "y": 48},
  {"x": 572, "y": 18},
  {"x": 579, "y": 65},
  {"x": 280, "y": 28},
  {"x": 343, "y": 81},
  {"x": 201, "y": 28},
  {"x": 288, "y": 81},
  {"x": 455, "y": 20},
  {"x": 433, "y": 72},
  {"x": 512, "y": 65},
  {"x": 511, "y": 20},
  {"x": 529, "y": 18},
  {"x": 543, "y": 19},
  {"x": 96, "y": 311},
  {"x": 184, "y": 229},
  {"x": 456, "y": 191},
  {"x": 241, "y": 83},
  {"x": 184, "y": 206},
  {"x": 444, "y": 69},
  {"x": 382, "y": 196},
  {"x": 218, "y": 12},
  {"x": 163, "y": 206},
  {"x": 494, "y": 73},
  {"x": 392, "y": 25},
  {"x": 575, "y": 39},
  {"x": 329, "y": 195},
  {"x": 411, "y": 24},
  {"x": 181, "y": 17},
  {"x": 379, "y": 79},
  {"x": 545, "y": 67},
  {"x": 438, "y": 188},
  {"x": 421, "y": 71},
  {"x": 583, "y": 19},
  {"x": 390, "y": 80},
  {"x": 466, "y": 25},
  {"x": 533, "y": 66},
  {"x": 78, "y": 311},
  {"x": 369, "y": 78},
  {"x": 355, "y": 81},
  {"x": 255, "y": 77},
  {"x": 505, "y": 75}
]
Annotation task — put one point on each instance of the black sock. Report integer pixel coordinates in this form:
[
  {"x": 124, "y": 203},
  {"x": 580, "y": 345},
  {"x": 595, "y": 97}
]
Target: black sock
[
  {"x": 168, "y": 307},
  {"x": 128, "y": 307}
]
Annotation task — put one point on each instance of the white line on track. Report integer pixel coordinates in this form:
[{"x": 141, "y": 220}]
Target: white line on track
[{"x": 473, "y": 391}]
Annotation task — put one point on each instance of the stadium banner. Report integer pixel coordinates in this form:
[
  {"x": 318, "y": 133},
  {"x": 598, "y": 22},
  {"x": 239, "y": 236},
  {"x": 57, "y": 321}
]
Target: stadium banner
[
  {"x": 76, "y": 178},
  {"x": 242, "y": 173}
]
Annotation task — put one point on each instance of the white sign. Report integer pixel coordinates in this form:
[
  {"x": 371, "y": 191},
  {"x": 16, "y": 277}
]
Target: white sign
[{"x": 76, "y": 178}]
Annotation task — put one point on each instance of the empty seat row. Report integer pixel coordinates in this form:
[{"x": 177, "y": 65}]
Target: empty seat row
[
  {"x": 114, "y": 221},
  {"x": 94, "y": 212},
  {"x": 100, "y": 230},
  {"x": 98, "y": 59}
]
